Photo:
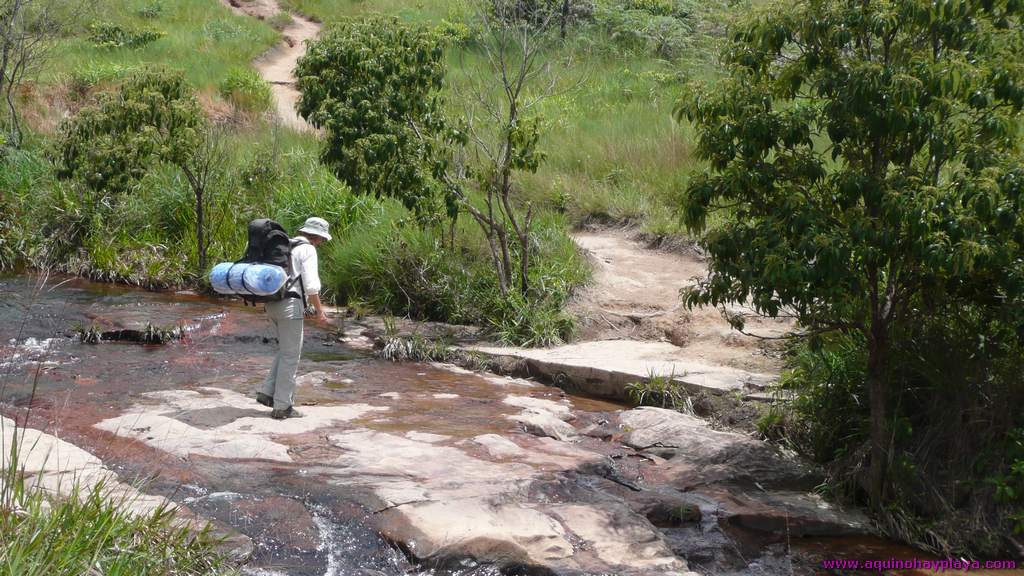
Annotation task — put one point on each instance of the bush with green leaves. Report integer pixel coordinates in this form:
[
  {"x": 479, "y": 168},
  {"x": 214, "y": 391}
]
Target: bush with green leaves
[
  {"x": 154, "y": 117},
  {"x": 246, "y": 90},
  {"x": 410, "y": 271},
  {"x": 647, "y": 27},
  {"x": 83, "y": 79},
  {"x": 108, "y": 35},
  {"x": 153, "y": 120},
  {"x": 550, "y": 14},
  {"x": 373, "y": 86},
  {"x": 827, "y": 418},
  {"x": 1009, "y": 484},
  {"x": 152, "y": 10},
  {"x": 954, "y": 424},
  {"x": 656, "y": 7},
  {"x": 456, "y": 33}
]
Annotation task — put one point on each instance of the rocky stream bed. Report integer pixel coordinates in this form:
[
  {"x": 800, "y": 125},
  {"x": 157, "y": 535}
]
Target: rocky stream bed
[{"x": 400, "y": 468}]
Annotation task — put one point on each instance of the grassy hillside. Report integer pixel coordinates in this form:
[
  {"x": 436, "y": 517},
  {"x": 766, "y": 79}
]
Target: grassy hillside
[
  {"x": 613, "y": 156},
  {"x": 201, "y": 37}
]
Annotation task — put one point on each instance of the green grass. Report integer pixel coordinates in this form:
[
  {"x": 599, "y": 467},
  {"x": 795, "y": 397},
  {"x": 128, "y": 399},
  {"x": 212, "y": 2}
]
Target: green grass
[
  {"x": 614, "y": 153},
  {"x": 425, "y": 11},
  {"x": 614, "y": 156},
  {"x": 202, "y": 37},
  {"x": 92, "y": 533},
  {"x": 389, "y": 264}
]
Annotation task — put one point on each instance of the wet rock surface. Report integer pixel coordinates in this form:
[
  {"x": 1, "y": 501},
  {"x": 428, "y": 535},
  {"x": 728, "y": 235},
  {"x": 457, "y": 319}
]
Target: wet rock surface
[{"x": 404, "y": 469}]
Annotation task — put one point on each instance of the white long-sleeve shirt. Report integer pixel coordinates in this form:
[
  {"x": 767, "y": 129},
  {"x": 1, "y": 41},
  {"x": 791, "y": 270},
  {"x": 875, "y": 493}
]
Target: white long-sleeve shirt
[{"x": 304, "y": 263}]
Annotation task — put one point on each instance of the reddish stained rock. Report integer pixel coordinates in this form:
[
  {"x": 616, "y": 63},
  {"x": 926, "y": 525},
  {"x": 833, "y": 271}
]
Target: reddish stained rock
[
  {"x": 779, "y": 515},
  {"x": 285, "y": 520},
  {"x": 698, "y": 455}
]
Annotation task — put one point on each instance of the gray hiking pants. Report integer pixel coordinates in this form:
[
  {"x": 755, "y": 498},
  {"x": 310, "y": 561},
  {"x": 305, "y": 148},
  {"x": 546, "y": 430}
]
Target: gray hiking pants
[{"x": 286, "y": 317}]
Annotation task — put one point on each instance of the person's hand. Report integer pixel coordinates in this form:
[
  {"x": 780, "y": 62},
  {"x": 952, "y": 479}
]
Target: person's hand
[{"x": 322, "y": 317}]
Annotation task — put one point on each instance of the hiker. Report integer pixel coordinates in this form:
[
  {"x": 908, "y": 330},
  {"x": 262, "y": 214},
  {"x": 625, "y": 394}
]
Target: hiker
[{"x": 278, "y": 391}]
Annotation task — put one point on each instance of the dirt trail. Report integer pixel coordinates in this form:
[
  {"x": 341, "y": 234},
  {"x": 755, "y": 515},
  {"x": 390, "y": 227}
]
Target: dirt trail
[
  {"x": 635, "y": 296},
  {"x": 277, "y": 65}
]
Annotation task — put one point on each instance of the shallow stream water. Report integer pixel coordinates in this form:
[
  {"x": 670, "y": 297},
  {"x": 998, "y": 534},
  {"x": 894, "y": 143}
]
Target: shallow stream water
[
  {"x": 302, "y": 520},
  {"x": 299, "y": 526}
]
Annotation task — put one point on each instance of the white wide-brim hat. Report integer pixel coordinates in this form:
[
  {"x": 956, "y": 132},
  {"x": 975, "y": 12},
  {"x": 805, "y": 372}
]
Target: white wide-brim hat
[{"x": 317, "y": 227}]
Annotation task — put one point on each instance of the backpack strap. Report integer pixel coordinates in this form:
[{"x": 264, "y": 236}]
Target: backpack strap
[
  {"x": 298, "y": 241},
  {"x": 227, "y": 277}
]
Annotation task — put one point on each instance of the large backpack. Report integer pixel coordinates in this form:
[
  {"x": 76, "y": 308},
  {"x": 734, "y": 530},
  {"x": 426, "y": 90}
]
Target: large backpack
[{"x": 270, "y": 244}]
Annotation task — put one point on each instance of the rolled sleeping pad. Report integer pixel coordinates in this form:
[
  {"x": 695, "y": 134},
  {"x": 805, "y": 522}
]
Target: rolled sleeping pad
[{"x": 247, "y": 279}]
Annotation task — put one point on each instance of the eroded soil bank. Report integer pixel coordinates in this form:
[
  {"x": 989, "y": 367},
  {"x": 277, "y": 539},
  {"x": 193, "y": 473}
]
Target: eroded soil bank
[{"x": 402, "y": 468}]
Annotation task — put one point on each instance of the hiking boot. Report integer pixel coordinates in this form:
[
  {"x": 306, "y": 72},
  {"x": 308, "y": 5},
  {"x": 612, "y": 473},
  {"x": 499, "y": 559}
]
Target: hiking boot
[
  {"x": 283, "y": 413},
  {"x": 267, "y": 401}
]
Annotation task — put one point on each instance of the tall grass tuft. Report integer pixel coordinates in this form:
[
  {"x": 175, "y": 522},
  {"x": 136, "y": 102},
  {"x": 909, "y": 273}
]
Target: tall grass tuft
[{"x": 91, "y": 532}]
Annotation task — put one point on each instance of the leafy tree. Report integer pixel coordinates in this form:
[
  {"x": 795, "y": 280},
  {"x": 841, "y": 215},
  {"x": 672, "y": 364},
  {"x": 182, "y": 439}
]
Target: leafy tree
[
  {"x": 502, "y": 133},
  {"x": 372, "y": 86},
  {"x": 153, "y": 118},
  {"x": 864, "y": 154}
]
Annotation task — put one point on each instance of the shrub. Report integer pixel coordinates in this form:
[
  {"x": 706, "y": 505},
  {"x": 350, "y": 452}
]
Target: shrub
[
  {"x": 221, "y": 30},
  {"x": 92, "y": 74},
  {"x": 660, "y": 390},
  {"x": 957, "y": 443},
  {"x": 107, "y": 35},
  {"x": 92, "y": 532},
  {"x": 407, "y": 270},
  {"x": 456, "y": 33},
  {"x": 151, "y": 10},
  {"x": 1009, "y": 485},
  {"x": 372, "y": 85},
  {"x": 549, "y": 12},
  {"x": 827, "y": 418},
  {"x": 656, "y": 7},
  {"x": 637, "y": 30},
  {"x": 246, "y": 91},
  {"x": 153, "y": 118}
]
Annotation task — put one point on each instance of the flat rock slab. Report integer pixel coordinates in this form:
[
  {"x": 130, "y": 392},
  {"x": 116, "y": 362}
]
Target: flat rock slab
[
  {"x": 57, "y": 467},
  {"x": 506, "y": 499},
  {"x": 221, "y": 424},
  {"x": 603, "y": 368},
  {"x": 793, "y": 514},
  {"x": 697, "y": 455}
]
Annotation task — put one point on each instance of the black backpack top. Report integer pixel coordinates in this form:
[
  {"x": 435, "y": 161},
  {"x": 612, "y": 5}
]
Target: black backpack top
[{"x": 270, "y": 244}]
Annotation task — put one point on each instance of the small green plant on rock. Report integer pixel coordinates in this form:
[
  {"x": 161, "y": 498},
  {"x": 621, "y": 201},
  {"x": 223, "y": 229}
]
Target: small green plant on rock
[
  {"x": 660, "y": 390},
  {"x": 89, "y": 335}
]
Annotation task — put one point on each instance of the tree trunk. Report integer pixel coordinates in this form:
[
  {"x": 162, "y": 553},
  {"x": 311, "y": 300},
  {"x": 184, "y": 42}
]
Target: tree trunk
[
  {"x": 506, "y": 258},
  {"x": 524, "y": 265},
  {"x": 200, "y": 236},
  {"x": 524, "y": 245},
  {"x": 878, "y": 391},
  {"x": 565, "y": 16}
]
